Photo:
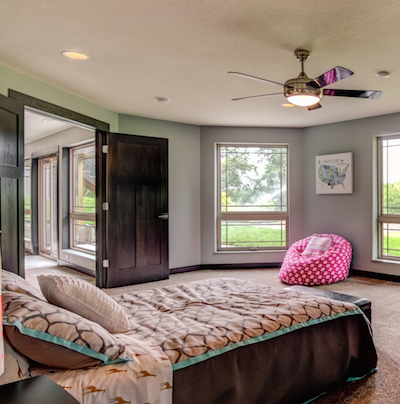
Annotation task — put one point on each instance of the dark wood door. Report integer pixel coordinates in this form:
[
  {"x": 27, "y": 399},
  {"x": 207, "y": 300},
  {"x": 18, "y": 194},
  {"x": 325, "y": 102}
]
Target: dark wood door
[
  {"x": 12, "y": 184},
  {"x": 132, "y": 230}
]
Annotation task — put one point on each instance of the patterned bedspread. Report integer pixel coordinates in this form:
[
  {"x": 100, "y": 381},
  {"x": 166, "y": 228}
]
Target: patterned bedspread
[
  {"x": 194, "y": 321},
  {"x": 188, "y": 324}
]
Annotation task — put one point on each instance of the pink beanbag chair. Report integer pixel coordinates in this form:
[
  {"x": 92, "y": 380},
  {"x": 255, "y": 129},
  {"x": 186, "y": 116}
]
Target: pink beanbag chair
[{"x": 323, "y": 262}]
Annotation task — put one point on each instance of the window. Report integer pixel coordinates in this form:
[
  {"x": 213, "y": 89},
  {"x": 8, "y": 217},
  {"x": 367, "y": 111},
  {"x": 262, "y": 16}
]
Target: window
[
  {"x": 389, "y": 198},
  {"x": 252, "y": 197},
  {"x": 83, "y": 198}
]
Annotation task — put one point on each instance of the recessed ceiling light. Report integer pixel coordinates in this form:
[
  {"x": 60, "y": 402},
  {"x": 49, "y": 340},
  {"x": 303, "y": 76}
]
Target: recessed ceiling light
[
  {"x": 383, "y": 75},
  {"x": 75, "y": 55},
  {"x": 163, "y": 100},
  {"x": 288, "y": 105}
]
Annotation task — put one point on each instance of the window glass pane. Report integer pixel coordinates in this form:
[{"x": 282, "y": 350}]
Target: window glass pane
[
  {"x": 253, "y": 179},
  {"x": 391, "y": 176},
  {"x": 27, "y": 200},
  {"x": 253, "y": 233},
  {"x": 391, "y": 239},
  {"x": 84, "y": 180},
  {"x": 84, "y": 232}
]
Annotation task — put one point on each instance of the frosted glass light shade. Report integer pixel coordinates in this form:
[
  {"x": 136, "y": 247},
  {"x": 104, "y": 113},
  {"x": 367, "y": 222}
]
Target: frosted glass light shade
[{"x": 303, "y": 100}]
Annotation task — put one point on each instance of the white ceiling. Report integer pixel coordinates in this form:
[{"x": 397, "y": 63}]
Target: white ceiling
[
  {"x": 38, "y": 126},
  {"x": 183, "y": 49}
]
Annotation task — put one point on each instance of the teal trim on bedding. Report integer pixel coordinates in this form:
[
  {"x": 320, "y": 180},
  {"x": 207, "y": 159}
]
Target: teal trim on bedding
[
  {"x": 63, "y": 342},
  {"x": 350, "y": 379},
  {"x": 355, "y": 379},
  {"x": 261, "y": 338}
]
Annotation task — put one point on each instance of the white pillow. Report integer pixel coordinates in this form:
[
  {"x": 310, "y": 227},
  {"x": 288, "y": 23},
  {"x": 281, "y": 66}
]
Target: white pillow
[
  {"x": 317, "y": 246},
  {"x": 88, "y": 301}
]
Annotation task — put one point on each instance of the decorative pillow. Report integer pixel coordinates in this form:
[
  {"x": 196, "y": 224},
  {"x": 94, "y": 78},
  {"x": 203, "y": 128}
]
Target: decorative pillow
[
  {"x": 81, "y": 297},
  {"x": 56, "y": 337},
  {"x": 15, "y": 283},
  {"x": 317, "y": 245},
  {"x": 16, "y": 366}
]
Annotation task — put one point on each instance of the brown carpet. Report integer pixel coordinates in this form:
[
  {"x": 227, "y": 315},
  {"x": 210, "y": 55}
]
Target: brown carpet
[{"x": 381, "y": 388}]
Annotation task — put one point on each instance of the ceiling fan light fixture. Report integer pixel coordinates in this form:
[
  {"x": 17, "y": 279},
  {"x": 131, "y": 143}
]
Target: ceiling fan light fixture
[{"x": 303, "y": 100}]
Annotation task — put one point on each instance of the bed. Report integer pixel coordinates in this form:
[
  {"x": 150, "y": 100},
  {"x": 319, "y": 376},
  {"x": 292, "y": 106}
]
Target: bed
[{"x": 224, "y": 341}]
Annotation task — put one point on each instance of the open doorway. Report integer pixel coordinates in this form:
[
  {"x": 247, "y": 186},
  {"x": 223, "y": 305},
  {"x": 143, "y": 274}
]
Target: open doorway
[{"x": 58, "y": 174}]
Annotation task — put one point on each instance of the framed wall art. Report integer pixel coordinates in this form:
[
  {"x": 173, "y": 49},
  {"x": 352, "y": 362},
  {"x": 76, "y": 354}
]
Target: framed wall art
[{"x": 334, "y": 173}]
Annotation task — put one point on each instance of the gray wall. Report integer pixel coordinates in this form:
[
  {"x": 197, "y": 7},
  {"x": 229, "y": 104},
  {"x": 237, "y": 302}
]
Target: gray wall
[
  {"x": 212, "y": 135},
  {"x": 184, "y": 183},
  {"x": 350, "y": 215}
]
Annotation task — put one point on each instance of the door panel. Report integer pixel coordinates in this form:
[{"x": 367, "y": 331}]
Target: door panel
[
  {"x": 9, "y": 244},
  {"x": 12, "y": 184},
  {"x": 148, "y": 230},
  {"x": 125, "y": 227},
  {"x": 135, "y": 184}
]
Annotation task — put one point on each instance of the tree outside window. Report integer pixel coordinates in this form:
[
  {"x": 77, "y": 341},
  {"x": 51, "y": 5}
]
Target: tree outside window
[{"x": 252, "y": 197}]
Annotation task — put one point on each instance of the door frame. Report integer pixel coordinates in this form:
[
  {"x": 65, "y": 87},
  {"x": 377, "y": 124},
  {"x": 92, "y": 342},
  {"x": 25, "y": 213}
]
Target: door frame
[{"x": 63, "y": 113}]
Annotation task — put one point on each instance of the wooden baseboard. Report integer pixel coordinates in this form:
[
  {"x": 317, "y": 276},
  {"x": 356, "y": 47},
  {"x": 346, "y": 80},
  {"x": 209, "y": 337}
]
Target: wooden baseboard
[
  {"x": 185, "y": 269},
  {"x": 375, "y": 275},
  {"x": 225, "y": 266},
  {"x": 356, "y": 272}
]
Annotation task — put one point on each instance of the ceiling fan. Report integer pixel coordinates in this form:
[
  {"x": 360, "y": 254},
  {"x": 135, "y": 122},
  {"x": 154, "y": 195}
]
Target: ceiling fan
[{"x": 306, "y": 92}]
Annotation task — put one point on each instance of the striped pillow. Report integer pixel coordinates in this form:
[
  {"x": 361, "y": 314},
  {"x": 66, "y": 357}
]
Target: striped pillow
[{"x": 317, "y": 246}]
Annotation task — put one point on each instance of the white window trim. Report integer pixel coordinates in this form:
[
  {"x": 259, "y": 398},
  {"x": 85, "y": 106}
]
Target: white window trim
[
  {"x": 381, "y": 217},
  {"x": 220, "y": 216},
  {"x": 77, "y": 215}
]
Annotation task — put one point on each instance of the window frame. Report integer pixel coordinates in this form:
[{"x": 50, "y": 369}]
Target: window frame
[
  {"x": 384, "y": 218},
  {"x": 249, "y": 215},
  {"x": 73, "y": 215}
]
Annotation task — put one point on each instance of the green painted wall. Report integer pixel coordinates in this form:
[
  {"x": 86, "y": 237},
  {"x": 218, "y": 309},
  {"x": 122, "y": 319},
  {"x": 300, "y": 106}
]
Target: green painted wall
[{"x": 11, "y": 79}]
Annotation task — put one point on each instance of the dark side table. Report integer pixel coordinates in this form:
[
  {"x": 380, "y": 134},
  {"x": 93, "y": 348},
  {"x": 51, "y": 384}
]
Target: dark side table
[{"x": 36, "y": 390}]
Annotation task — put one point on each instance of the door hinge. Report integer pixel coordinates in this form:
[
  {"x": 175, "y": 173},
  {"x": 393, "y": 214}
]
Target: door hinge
[
  {"x": 106, "y": 263},
  {"x": 104, "y": 148},
  {"x": 106, "y": 206}
]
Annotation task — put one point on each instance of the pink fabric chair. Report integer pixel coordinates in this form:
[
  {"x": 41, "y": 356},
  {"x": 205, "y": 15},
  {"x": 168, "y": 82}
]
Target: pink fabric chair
[{"x": 330, "y": 267}]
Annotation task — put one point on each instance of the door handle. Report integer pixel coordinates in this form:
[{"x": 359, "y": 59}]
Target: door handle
[{"x": 163, "y": 216}]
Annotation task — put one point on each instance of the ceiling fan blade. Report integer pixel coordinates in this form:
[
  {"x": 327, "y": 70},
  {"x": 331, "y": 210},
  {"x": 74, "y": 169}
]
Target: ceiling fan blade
[
  {"x": 247, "y": 76},
  {"x": 331, "y": 76},
  {"x": 315, "y": 106},
  {"x": 352, "y": 93},
  {"x": 255, "y": 96}
]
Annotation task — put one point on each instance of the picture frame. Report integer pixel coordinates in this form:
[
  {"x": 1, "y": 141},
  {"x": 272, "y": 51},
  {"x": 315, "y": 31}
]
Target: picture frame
[{"x": 334, "y": 173}]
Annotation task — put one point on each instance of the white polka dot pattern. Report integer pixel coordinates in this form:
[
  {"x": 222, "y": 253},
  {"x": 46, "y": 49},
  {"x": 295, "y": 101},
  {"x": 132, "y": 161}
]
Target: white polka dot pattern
[{"x": 330, "y": 267}]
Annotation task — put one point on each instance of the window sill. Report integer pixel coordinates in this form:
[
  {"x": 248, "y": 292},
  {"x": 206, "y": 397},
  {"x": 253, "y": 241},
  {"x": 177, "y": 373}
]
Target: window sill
[
  {"x": 382, "y": 260},
  {"x": 79, "y": 258},
  {"x": 252, "y": 252}
]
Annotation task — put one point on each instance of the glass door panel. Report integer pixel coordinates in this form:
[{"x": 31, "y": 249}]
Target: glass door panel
[{"x": 48, "y": 235}]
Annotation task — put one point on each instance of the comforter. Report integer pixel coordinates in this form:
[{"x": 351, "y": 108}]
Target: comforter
[{"x": 231, "y": 341}]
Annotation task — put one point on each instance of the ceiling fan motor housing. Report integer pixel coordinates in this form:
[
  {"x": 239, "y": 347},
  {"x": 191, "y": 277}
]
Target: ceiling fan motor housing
[{"x": 301, "y": 86}]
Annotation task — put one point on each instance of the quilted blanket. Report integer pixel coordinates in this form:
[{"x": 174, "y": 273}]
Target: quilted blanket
[
  {"x": 181, "y": 327},
  {"x": 198, "y": 320}
]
